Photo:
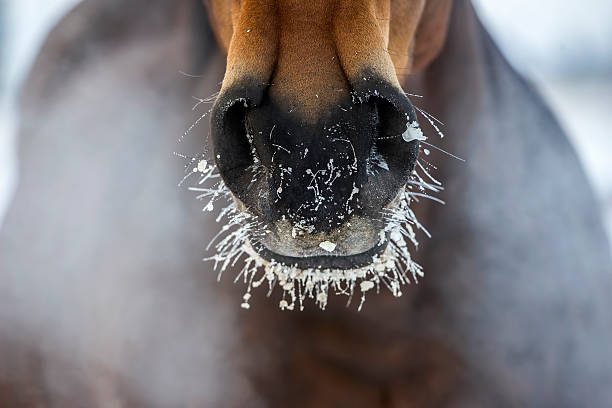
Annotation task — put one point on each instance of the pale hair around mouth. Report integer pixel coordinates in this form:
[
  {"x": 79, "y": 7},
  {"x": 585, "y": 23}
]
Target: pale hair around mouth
[{"x": 241, "y": 232}]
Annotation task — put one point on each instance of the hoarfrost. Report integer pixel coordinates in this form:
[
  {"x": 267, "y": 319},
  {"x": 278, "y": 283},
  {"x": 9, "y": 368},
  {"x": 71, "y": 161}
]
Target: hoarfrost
[
  {"x": 413, "y": 132},
  {"x": 328, "y": 246},
  {"x": 392, "y": 269}
]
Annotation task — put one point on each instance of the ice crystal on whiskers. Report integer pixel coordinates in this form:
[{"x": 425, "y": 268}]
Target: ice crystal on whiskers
[{"x": 390, "y": 270}]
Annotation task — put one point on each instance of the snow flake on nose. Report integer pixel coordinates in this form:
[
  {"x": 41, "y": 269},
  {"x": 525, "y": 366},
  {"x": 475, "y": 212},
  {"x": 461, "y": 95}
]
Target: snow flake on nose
[
  {"x": 328, "y": 246},
  {"x": 202, "y": 166},
  {"x": 413, "y": 132}
]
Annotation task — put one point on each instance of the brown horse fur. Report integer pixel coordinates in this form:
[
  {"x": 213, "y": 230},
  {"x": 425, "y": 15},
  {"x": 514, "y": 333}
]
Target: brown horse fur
[
  {"x": 313, "y": 46},
  {"x": 104, "y": 300}
]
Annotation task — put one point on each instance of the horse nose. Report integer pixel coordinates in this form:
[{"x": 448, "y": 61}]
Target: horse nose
[
  {"x": 314, "y": 168},
  {"x": 351, "y": 159}
]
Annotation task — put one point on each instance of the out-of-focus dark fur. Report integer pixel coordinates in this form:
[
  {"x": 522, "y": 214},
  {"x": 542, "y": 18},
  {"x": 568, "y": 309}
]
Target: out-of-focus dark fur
[{"x": 104, "y": 300}]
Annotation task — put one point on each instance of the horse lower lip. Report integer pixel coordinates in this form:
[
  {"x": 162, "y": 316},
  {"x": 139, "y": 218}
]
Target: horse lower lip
[{"x": 324, "y": 261}]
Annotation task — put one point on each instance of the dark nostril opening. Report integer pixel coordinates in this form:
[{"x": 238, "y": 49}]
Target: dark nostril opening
[
  {"x": 391, "y": 121},
  {"x": 392, "y": 158},
  {"x": 389, "y": 144},
  {"x": 232, "y": 148}
]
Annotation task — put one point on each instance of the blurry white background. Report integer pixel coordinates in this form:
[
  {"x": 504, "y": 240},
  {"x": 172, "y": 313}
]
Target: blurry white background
[
  {"x": 24, "y": 25},
  {"x": 564, "y": 47}
]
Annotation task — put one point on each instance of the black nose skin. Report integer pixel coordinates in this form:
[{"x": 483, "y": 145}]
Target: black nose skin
[
  {"x": 232, "y": 149},
  {"x": 313, "y": 168},
  {"x": 315, "y": 175}
]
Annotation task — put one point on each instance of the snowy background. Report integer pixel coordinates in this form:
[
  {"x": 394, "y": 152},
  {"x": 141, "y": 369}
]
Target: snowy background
[{"x": 565, "y": 47}]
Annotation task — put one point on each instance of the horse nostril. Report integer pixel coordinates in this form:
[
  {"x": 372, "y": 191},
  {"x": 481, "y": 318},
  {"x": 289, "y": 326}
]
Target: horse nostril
[
  {"x": 391, "y": 121},
  {"x": 390, "y": 146},
  {"x": 392, "y": 158},
  {"x": 234, "y": 155}
]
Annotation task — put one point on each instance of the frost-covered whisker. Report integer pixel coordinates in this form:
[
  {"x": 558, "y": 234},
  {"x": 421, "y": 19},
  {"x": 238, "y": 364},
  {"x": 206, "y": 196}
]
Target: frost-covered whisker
[
  {"x": 194, "y": 125},
  {"x": 190, "y": 75},
  {"x": 241, "y": 232},
  {"x": 211, "y": 99},
  {"x": 432, "y": 121},
  {"x": 443, "y": 151},
  {"x": 238, "y": 243}
]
